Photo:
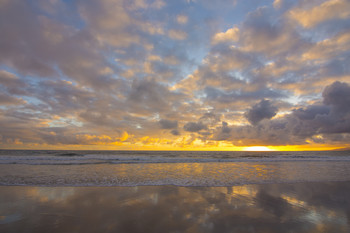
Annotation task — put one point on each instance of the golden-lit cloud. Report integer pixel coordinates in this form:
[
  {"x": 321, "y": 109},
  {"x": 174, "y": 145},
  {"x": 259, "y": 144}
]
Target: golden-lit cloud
[
  {"x": 232, "y": 34},
  {"x": 328, "y": 48},
  {"x": 277, "y": 3},
  {"x": 328, "y": 10},
  {"x": 182, "y": 19}
]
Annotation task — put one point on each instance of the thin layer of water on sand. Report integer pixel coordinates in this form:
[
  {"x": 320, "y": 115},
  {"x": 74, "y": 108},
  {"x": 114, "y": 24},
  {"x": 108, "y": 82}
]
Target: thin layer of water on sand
[{"x": 293, "y": 207}]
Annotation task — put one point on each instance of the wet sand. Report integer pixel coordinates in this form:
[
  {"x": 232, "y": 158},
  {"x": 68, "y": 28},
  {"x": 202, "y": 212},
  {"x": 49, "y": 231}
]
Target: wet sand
[{"x": 293, "y": 207}]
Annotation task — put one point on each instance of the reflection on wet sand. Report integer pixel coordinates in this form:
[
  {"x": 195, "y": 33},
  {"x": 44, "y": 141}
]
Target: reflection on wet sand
[
  {"x": 299, "y": 207},
  {"x": 181, "y": 174}
]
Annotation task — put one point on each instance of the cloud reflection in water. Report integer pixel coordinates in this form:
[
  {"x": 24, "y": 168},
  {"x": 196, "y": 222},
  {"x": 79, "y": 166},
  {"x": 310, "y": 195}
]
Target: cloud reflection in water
[{"x": 299, "y": 207}]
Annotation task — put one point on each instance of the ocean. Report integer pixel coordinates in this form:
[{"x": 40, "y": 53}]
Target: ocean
[{"x": 180, "y": 168}]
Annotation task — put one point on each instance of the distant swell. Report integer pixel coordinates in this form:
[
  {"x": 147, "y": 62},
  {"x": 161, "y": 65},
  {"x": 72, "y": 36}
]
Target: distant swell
[
  {"x": 69, "y": 154},
  {"x": 76, "y": 159}
]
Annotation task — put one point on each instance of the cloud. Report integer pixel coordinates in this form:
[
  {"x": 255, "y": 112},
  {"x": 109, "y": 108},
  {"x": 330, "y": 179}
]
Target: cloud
[
  {"x": 262, "y": 110},
  {"x": 158, "y": 4},
  {"x": 175, "y": 132},
  {"x": 311, "y": 112},
  {"x": 194, "y": 126},
  {"x": 324, "y": 50},
  {"x": 277, "y": 3},
  {"x": 209, "y": 118},
  {"x": 231, "y": 35},
  {"x": 337, "y": 95},
  {"x": 168, "y": 124},
  {"x": 12, "y": 84},
  {"x": 108, "y": 22},
  {"x": 260, "y": 33},
  {"x": 29, "y": 56},
  {"x": 314, "y": 15},
  {"x": 150, "y": 96},
  {"x": 177, "y": 34},
  {"x": 332, "y": 117},
  {"x": 223, "y": 132},
  {"x": 9, "y": 100},
  {"x": 315, "y": 122},
  {"x": 182, "y": 19},
  {"x": 7, "y": 78},
  {"x": 221, "y": 96}
]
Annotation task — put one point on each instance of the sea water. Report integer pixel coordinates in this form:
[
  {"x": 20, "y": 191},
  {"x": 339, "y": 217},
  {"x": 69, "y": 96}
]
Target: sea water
[{"x": 181, "y": 168}]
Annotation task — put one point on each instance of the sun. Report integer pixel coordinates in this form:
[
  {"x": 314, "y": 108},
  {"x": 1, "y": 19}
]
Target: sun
[{"x": 257, "y": 148}]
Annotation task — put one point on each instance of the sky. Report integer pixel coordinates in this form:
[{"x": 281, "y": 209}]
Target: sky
[{"x": 175, "y": 75}]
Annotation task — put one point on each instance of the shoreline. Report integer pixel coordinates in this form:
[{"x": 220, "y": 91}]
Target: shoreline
[
  {"x": 175, "y": 185},
  {"x": 179, "y": 174}
]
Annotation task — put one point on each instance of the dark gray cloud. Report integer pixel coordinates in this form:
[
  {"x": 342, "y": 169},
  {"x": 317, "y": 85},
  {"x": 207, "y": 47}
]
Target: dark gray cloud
[
  {"x": 266, "y": 32},
  {"x": 223, "y": 132},
  {"x": 210, "y": 119},
  {"x": 337, "y": 67},
  {"x": 225, "y": 128},
  {"x": 332, "y": 117},
  {"x": 273, "y": 132},
  {"x": 23, "y": 47},
  {"x": 262, "y": 110},
  {"x": 331, "y": 121},
  {"x": 218, "y": 95},
  {"x": 194, "y": 126},
  {"x": 168, "y": 124},
  {"x": 9, "y": 100},
  {"x": 39, "y": 46},
  {"x": 12, "y": 84},
  {"x": 151, "y": 96},
  {"x": 175, "y": 132},
  {"x": 337, "y": 96},
  {"x": 311, "y": 112}
]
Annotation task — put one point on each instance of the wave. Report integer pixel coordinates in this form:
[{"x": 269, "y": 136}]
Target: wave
[
  {"x": 80, "y": 159},
  {"x": 69, "y": 154}
]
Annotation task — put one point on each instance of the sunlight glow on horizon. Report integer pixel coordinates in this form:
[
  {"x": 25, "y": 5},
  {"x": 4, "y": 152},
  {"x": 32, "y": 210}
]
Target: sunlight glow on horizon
[{"x": 257, "y": 148}]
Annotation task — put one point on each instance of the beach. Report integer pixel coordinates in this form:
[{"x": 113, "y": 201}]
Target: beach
[
  {"x": 283, "y": 207},
  {"x": 145, "y": 191}
]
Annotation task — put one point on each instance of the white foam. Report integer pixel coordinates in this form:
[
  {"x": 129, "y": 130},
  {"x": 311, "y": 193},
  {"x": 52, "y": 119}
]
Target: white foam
[{"x": 122, "y": 159}]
